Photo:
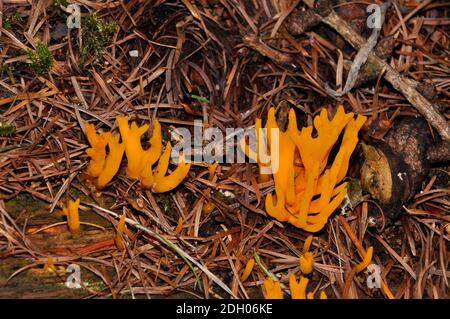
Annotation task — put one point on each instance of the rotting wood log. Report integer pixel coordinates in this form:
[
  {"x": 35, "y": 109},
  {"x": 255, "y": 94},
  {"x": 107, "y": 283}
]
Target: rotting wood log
[{"x": 395, "y": 168}]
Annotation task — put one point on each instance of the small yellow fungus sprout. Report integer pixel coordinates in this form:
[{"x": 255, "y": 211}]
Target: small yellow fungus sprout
[
  {"x": 208, "y": 206},
  {"x": 273, "y": 289},
  {"x": 248, "y": 269},
  {"x": 50, "y": 265},
  {"x": 212, "y": 168},
  {"x": 307, "y": 243},
  {"x": 306, "y": 263},
  {"x": 179, "y": 227},
  {"x": 73, "y": 219},
  {"x": 306, "y": 260},
  {"x": 298, "y": 288},
  {"x": 366, "y": 260}
]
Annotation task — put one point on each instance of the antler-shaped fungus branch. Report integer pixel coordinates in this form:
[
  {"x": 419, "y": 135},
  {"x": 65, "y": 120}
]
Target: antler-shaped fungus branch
[{"x": 299, "y": 166}]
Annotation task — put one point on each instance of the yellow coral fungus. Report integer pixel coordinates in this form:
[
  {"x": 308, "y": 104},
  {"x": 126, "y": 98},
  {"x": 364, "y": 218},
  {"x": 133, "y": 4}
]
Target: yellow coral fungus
[
  {"x": 140, "y": 162},
  {"x": 248, "y": 269},
  {"x": 73, "y": 220},
  {"x": 366, "y": 260},
  {"x": 164, "y": 183},
  {"x": 50, "y": 265},
  {"x": 212, "y": 170},
  {"x": 103, "y": 167},
  {"x": 112, "y": 163},
  {"x": 154, "y": 151},
  {"x": 273, "y": 289},
  {"x": 298, "y": 288},
  {"x": 308, "y": 187},
  {"x": 131, "y": 135},
  {"x": 97, "y": 152},
  {"x": 119, "y": 237},
  {"x": 179, "y": 227},
  {"x": 307, "y": 260},
  {"x": 306, "y": 263}
]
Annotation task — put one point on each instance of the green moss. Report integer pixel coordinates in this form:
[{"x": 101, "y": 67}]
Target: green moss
[
  {"x": 6, "y": 69},
  {"x": 96, "y": 36},
  {"x": 165, "y": 200},
  {"x": 7, "y": 129},
  {"x": 23, "y": 202},
  {"x": 165, "y": 136},
  {"x": 200, "y": 98},
  {"x": 8, "y": 22},
  {"x": 58, "y": 3},
  {"x": 41, "y": 58}
]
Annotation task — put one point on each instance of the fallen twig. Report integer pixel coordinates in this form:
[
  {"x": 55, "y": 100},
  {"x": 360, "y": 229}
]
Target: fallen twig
[{"x": 331, "y": 18}]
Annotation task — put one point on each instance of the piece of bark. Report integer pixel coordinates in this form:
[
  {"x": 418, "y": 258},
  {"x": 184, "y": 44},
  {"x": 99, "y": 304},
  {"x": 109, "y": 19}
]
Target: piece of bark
[
  {"x": 439, "y": 153},
  {"x": 301, "y": 21},
  {"x": 409, "y": 139},
  {"x": 394, "y": 169},
  {"x": 383, "y": 177}
]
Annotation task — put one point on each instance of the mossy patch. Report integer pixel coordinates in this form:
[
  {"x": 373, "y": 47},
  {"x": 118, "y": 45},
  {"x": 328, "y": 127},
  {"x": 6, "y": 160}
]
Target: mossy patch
[
  {"x": 41, "y": 58},
  {"x": 96, "y": 35},
  {"x": 24, "y": 202},
  {"x": 58, "y": 3},
  {"x": 10, "y": 21}
]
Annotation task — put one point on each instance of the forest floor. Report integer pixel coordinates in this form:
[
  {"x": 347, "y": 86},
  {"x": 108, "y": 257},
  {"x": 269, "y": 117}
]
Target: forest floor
[{"x": 225, "y": 63}]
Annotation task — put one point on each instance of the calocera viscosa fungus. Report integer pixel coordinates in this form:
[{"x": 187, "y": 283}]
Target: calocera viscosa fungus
[
  {"x": 73, "y": 219},
  {"x": 103, "y": 166},
  {"x": 307, "y": 188}
]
